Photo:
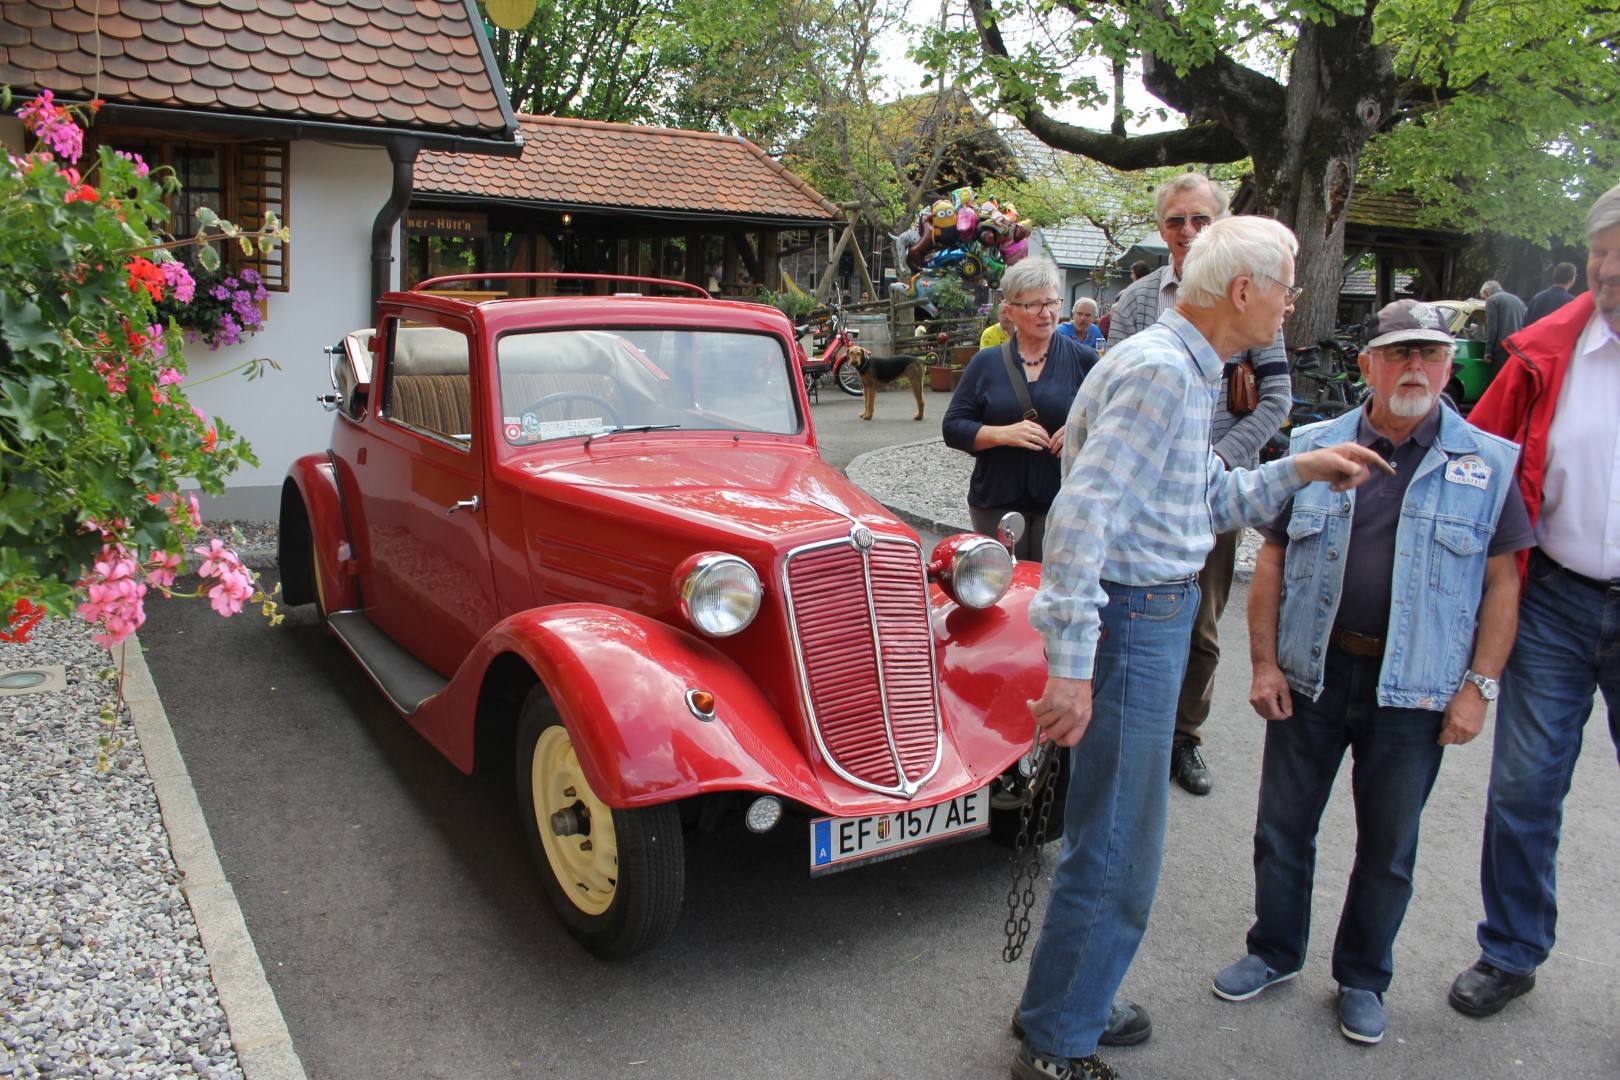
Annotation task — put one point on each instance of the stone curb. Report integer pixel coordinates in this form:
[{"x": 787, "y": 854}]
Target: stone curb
[
  {"x": 867, "y": 472},
  {"x": 258, "y": 1031}
]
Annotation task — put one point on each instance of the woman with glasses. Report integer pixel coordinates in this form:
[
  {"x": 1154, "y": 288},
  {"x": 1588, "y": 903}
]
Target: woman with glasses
[{"x": 1017, "y": 452}]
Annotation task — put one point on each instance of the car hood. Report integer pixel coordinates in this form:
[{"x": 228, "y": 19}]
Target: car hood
[{"x": 760, "y": 494}]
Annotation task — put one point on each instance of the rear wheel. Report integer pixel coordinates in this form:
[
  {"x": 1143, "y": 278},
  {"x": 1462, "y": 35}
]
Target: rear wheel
[
  {"x": 317, "y": 583},
  {"x": 849, "y": 380},
  {"x": 615, "y": 877}
]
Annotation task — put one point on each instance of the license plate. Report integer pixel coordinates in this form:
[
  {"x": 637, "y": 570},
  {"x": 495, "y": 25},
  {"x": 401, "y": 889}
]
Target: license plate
[{"x": 840, "y": 843}]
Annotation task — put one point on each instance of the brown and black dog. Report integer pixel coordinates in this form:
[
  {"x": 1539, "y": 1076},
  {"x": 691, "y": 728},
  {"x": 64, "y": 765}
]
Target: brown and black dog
[{"x": 878, "y": 371}]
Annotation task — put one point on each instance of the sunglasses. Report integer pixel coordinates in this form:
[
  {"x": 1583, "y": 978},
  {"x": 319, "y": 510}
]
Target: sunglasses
[{"x": 1200, "y": 222}]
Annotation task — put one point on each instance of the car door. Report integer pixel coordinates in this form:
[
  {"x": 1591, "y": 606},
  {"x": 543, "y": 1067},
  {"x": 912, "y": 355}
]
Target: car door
[{"x": 422, "y": 486}]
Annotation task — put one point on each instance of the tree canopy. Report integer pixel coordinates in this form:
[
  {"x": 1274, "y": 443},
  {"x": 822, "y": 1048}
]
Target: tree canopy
[{"x": 1496, "y": 113}]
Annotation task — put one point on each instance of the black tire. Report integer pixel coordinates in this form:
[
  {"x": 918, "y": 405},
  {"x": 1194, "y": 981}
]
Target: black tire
[
  {"x": 1006, "y": 810},
  {"x": 849, "y": 380},
  {"x": 621, "y": 895}
]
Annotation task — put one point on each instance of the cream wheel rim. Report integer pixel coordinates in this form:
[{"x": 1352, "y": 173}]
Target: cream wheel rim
[{"x": 586, "y": 865}]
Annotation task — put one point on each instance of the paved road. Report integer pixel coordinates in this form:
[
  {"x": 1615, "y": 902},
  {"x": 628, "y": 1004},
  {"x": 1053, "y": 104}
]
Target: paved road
[{"x": 405, "y": 935}]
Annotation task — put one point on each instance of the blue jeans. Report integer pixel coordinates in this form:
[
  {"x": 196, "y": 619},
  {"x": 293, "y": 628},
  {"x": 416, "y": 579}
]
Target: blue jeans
[
  {"x": 1113, "y": 842},
  {"x": 1568, "y": 645},
  {"x": 1396, "y": 758}
]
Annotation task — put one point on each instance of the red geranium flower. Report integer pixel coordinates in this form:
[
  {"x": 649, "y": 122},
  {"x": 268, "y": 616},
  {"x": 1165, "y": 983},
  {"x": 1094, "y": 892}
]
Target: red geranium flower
[{"x": 144, "y": 275}]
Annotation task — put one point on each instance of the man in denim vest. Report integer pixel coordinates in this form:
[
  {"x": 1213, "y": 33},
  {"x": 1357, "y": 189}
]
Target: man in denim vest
[{"x": 1379, "y": 620}]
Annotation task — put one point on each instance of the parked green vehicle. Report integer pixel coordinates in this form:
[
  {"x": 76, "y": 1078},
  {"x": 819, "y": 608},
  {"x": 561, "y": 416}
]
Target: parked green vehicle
[{"x": 1471, "y": 372}]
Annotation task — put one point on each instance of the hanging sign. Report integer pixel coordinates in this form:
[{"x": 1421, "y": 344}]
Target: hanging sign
[{"x": 462, "y": 223}]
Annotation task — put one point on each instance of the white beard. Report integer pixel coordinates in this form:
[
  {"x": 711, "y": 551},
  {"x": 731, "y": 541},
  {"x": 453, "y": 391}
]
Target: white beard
[{"x": 1409, "y": 405}]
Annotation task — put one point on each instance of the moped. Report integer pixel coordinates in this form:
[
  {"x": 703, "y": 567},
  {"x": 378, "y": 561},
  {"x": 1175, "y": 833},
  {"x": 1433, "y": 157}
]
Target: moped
[{"x": 834, "y": 359}]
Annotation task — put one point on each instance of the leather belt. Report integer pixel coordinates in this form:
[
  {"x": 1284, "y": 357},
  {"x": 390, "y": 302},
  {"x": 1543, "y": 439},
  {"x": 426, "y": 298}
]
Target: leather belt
[
  {"x": 1596, "y": 584},
  {"x": 1356, "y": 644}
]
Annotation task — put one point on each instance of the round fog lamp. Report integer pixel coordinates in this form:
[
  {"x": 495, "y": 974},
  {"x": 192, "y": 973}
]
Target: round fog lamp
[
  {"x": 763, "y": 814},
  {"x": 981, "y": 571},
  {"x": 720, "y": 594}
]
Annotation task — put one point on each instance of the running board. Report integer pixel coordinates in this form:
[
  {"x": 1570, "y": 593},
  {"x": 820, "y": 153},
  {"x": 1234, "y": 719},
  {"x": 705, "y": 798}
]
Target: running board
[{"x": 404, "y": 680}]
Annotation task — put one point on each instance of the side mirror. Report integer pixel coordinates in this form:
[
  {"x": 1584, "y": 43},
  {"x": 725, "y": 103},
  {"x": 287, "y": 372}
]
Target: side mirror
[{"x": 1010, "y": 529}]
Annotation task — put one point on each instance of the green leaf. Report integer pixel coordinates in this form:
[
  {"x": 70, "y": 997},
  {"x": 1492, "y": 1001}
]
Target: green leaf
[{"x": 23, "y": 325}]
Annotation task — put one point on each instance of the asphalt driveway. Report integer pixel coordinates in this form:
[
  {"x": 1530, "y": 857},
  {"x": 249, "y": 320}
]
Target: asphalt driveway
[{"x": 405, "y": 935}]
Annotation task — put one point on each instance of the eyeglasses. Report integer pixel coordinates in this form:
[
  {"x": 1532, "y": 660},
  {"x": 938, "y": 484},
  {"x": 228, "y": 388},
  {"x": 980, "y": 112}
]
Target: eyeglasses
[
  {"x": 1429, "y": 353},
  {"x": 1200, "y": 222},
  {"x": 1294, "y": 291},
  {"x": 1033, "y": 306}
]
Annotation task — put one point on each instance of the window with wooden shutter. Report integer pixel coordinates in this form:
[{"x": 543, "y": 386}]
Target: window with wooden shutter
[
  {"x": 241, "y": 181},
  {"x": 261, "y": 189}
]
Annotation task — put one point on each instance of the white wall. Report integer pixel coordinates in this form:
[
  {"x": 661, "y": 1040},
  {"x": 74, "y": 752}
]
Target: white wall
[{"x": 336, "y": 192}]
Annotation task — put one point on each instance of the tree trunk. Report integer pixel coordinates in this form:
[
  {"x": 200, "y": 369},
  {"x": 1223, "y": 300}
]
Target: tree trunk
[{"x": 1340, "y": 92}]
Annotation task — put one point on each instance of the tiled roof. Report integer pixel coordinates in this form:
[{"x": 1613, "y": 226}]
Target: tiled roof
[
  {"x": 1081, "y": 245},
  {"x": 398, "y": 64},
  {"x": 1395, "y": 210},
  {"x": 588, "y": 163}
]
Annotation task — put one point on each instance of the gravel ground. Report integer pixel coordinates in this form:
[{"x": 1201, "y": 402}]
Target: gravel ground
[
  {"x": 102, "y": 971},
  {"x": 927, "y": 482}
]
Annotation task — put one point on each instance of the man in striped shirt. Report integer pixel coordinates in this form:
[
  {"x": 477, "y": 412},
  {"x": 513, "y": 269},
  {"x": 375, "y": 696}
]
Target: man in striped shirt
[
  {"x": 1142, "y": 498},
  {"x": 1184, "y": 206}
]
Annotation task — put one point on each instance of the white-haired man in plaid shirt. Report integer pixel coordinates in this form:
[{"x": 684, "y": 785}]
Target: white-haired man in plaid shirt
[
  {"x": 1184, "y": 206},
  {"x": 1142, "y": 497}
]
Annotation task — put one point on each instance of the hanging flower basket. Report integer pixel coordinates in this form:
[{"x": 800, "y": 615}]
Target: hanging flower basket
[{"x": 225, "y": 307}]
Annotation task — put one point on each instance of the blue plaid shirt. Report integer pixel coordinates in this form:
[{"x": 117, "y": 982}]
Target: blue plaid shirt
[{"x": 1143, "y": 494}]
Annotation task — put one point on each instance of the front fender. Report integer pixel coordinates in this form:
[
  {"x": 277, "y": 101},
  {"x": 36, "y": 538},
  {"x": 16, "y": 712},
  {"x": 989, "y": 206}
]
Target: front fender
[
  {"x": 619, "y": 682},
  {"x": 991, "y": 664}
]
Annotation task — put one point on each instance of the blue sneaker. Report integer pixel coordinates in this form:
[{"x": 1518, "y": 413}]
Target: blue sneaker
[
  {"x": 1361, "y": 1015},
  {"x": 1246, "y": 978}
]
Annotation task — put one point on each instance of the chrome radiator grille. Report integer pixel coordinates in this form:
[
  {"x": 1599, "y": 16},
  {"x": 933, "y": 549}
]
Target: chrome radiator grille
[{"x": 859, "y": 609}]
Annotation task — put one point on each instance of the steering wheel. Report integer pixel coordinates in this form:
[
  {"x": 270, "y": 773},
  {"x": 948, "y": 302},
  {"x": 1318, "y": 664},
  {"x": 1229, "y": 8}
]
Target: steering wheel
[{"x": 574, "y": 395}]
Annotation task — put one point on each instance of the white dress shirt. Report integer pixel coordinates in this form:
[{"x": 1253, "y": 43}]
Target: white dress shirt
[{"x": 1579, "y": 526}]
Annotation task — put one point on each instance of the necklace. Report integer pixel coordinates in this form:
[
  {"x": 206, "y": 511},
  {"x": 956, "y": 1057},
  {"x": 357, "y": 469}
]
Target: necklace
[{"x": 1037, "y": 362}]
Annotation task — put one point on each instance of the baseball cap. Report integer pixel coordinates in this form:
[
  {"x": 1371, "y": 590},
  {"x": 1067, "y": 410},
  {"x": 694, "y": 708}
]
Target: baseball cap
[{"x": 1406, "y": 320}]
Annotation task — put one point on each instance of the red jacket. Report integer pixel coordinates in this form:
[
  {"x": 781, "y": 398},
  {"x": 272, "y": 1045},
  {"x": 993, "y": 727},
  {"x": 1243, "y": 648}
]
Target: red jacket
[{"x": 1519, "y": 403}]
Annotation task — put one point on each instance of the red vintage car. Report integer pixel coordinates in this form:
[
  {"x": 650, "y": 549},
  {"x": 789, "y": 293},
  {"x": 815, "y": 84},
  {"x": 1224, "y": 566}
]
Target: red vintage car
[{"x": 596, "y": 532}]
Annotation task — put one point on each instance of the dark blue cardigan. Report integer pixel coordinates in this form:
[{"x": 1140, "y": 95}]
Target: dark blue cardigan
[{"x": 1010, "y": 477}]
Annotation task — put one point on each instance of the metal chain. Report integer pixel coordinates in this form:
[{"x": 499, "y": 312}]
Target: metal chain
[{"x": 1027, "y": 849}]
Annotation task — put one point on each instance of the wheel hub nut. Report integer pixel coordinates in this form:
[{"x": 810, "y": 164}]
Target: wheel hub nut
[{"x": 571, "y": 821}]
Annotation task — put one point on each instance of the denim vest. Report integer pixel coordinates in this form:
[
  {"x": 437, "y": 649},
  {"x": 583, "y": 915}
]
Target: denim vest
[{"x": 1447, "y": 519}]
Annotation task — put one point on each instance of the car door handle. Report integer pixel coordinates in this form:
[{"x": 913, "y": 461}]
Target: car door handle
[{"x": 465, "y": 504}]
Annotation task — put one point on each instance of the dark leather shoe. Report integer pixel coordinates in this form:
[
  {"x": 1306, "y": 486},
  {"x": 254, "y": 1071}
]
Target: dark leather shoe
[
  {"x": 1187, "y": 768},
  {"x": 1483, "y": 989},
  {"x": 1128, "y": 1025}
]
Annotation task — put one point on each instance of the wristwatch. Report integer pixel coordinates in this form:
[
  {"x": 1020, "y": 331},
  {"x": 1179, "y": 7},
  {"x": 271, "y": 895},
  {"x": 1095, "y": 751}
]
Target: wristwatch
[{"x": 1488, "y": 688}]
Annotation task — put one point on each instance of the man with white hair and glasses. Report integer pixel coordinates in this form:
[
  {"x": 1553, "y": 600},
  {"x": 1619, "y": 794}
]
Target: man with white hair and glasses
[
  {"x": 1126, "y": 536},
  {"x": 1184, "y": 206},
  {"x": 1379, "y": 620},
  {"x": 1558, "y": 396}
]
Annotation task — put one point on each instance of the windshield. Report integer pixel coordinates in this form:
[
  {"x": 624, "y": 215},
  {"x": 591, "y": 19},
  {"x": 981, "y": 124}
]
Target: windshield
[{"x": 560, "y": 384}]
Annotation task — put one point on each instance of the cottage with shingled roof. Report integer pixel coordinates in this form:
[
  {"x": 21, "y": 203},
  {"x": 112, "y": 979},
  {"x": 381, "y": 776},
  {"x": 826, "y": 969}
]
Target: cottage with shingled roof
[
  {"x": 315, "y": 109},
  {"x": 594, "y": 197}
]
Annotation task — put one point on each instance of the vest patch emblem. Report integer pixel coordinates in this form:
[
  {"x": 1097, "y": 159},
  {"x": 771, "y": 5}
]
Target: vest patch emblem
[{"x": 1470, "y": 470}]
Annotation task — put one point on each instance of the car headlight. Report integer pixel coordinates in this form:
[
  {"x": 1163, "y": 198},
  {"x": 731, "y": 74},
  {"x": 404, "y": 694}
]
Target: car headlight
[
  {"x": 719, "y": 594},
  {"x": 974, "y": 570}
]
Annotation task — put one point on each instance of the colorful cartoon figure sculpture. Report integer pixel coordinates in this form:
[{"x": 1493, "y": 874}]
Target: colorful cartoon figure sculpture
[{"x": 962, "y": 236}]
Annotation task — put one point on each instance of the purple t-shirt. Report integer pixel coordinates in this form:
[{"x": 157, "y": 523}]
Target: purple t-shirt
[{"x": 1369, "y": 561}]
